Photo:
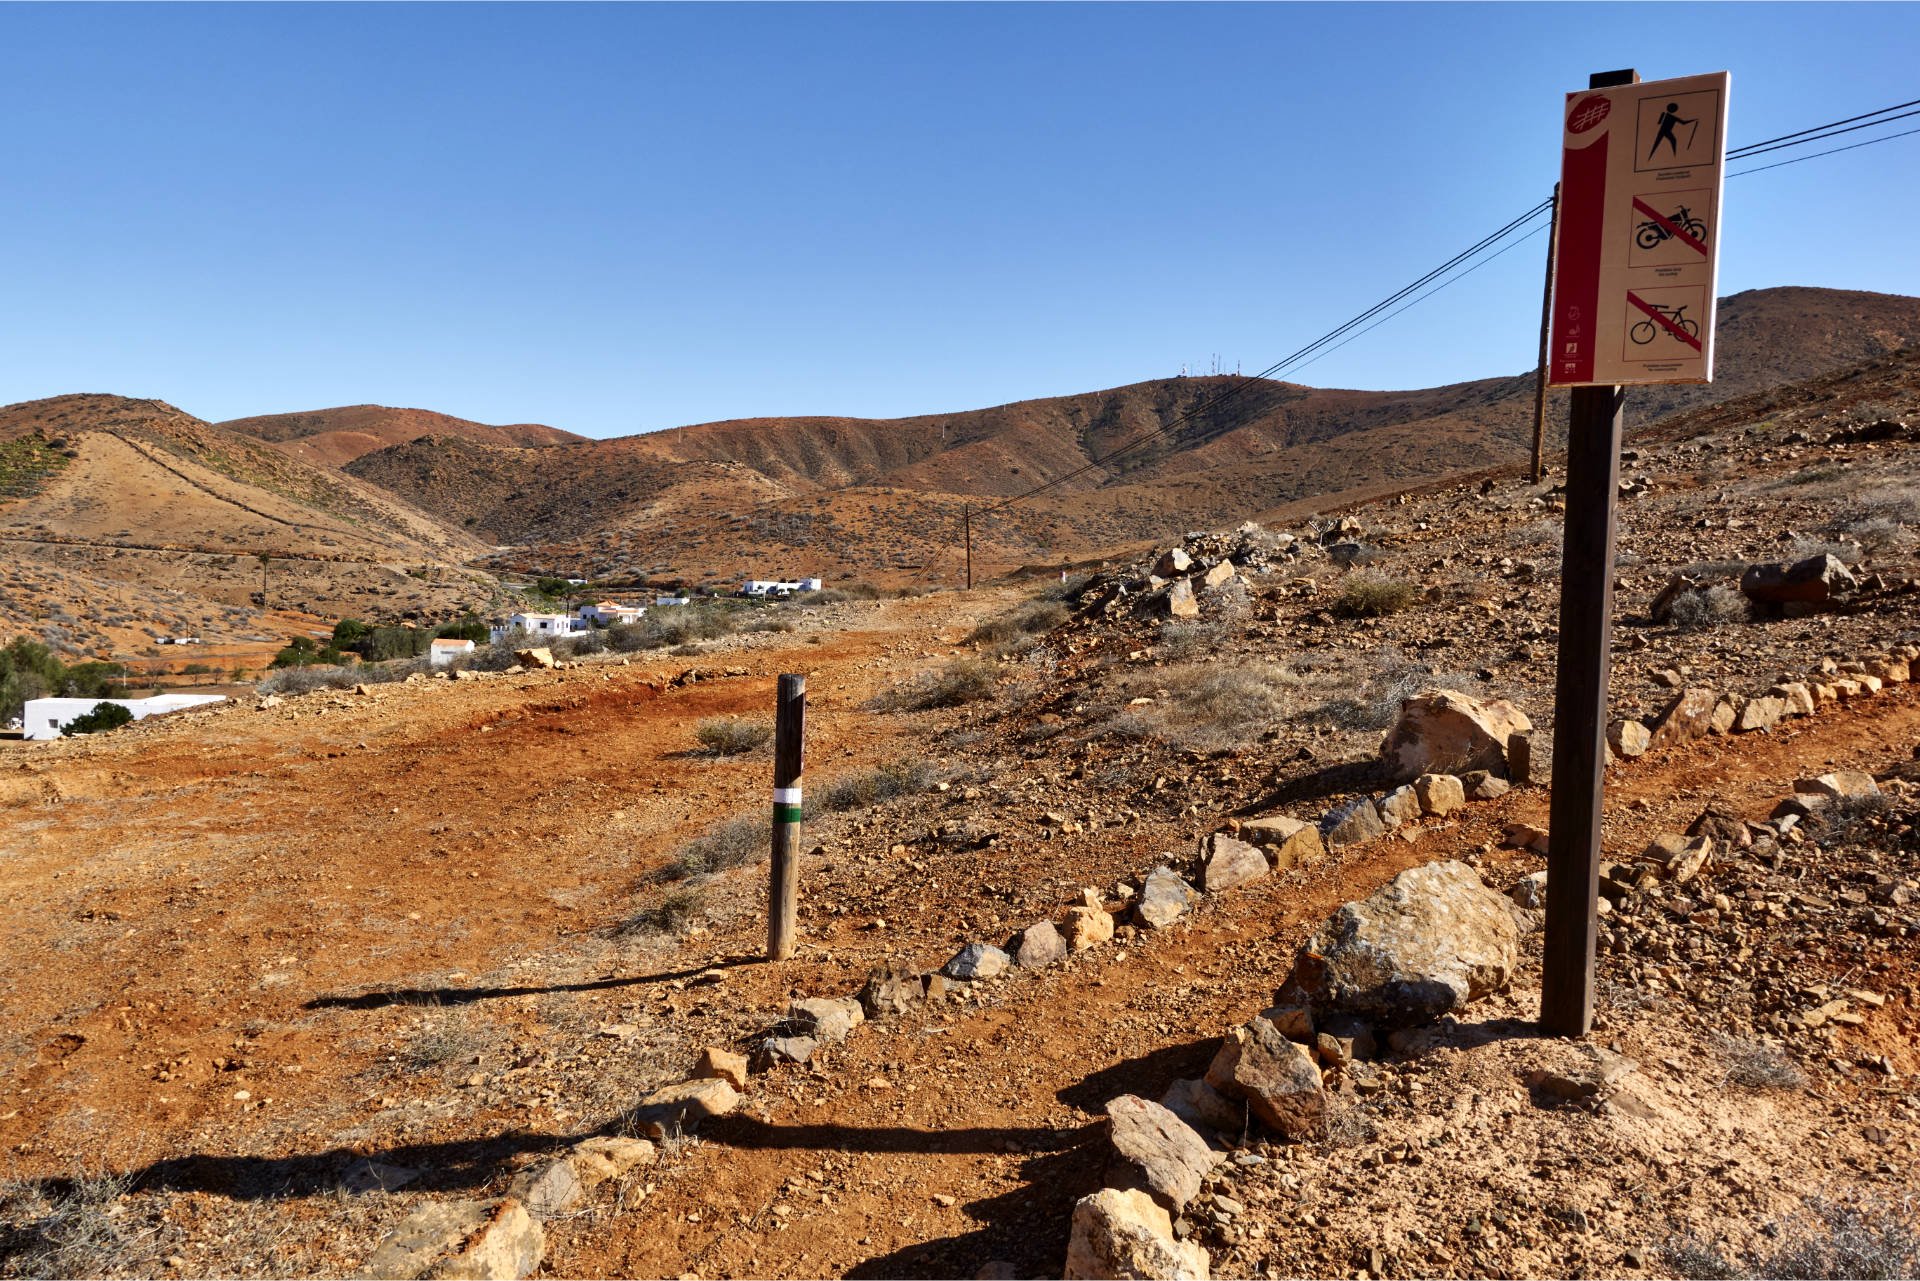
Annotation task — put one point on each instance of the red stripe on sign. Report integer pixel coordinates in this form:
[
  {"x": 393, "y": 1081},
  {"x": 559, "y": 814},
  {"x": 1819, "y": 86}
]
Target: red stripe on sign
[
  {"x": 1674, "y": 229},
  {"x": 1576, "y": 286},
  {"x": 1654, "y": 313}
]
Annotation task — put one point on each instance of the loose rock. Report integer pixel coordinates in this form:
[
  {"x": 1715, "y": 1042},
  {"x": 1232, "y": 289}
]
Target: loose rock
[
  {"x": 1276, "y": 1078},
  {"x": 1354, "y": 823},
  {"x": 1430, "y": 941},
  {"x": 828, "y": 1019},
  {"x": 1439, "y": 794},
  {"x": 1038, "y": 946},
  {"x": 977, "y": 961},
  {"x": 1156, "y": 1151},
  {"x": 1231, "y": 863},
  {"x": 1442, "y": 732},
  {"x": 1164, "y": 899},
  {"x": 462, "y": 1241},
  {"x": 1122, "y": 1234}
]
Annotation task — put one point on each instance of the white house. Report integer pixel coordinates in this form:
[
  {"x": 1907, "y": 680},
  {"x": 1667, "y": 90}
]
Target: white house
[
  {"x": 773, "y": 587},
  {"x": 607, "y": 613},
  {"x": 673, "y": 600},
  {"x": 443, "y": 651},
  {"x": 46, "y": 717},
  {"x": 538, "y": 625}
]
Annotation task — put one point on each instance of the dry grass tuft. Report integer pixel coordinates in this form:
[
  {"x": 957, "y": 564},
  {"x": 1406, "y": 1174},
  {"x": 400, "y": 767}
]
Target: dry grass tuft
[
  {"x": 726, "y": 736},
  {"x": 1373, "y": 596}
]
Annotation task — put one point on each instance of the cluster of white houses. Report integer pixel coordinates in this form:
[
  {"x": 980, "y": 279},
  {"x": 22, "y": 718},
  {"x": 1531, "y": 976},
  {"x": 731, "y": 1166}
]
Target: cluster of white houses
[{"x": 604, "y": 613}]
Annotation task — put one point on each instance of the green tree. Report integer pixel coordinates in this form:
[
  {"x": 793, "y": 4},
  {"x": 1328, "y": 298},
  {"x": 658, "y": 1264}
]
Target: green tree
[
  {"x": 103, "y": 716},
  {"x": 347, "y": 632},
  {"x": 467, "y": 628},
  {"x": 298, "y": 652}
]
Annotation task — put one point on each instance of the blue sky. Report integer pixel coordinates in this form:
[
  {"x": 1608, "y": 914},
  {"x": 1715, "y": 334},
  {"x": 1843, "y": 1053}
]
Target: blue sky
[{"x": 619, "y": 218}]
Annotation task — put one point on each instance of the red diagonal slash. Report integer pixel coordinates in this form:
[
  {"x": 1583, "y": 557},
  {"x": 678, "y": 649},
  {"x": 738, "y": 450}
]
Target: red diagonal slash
[
  {"x": 1674, "y": 229},
  {"x": 1654, "y": 313}
]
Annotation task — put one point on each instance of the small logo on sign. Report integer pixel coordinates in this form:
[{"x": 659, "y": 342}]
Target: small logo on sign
[{"x": 1588, "y": 112}]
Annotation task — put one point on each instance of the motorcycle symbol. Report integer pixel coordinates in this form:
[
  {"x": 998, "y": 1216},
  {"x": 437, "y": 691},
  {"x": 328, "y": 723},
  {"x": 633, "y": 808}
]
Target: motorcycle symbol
[
  {"x": 1651, "y": 234},
  {"x": 1643, "y": 333}
]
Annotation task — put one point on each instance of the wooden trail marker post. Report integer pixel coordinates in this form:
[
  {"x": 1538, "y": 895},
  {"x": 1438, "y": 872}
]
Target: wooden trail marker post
[
  {"x": 1632, "y": 302},
  {"x": 783, "y": 886}
]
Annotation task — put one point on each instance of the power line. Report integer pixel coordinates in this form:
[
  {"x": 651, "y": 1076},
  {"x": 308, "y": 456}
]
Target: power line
[
  {"x": 1400, "y": 302},
  {"x": 1832, "y": 151},
  {"x": 1749, "y": 152},
  {"x": 1754, "y": 148}
]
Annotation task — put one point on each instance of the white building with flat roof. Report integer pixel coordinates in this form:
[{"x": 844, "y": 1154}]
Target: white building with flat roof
[
  {"x": 545, "y": 625},
  {"x": 443, "y": 651},
  {"x": 779, "y": 587},
  {"x": 46, "y": 717},
  {"x": 608, "y": 613}
]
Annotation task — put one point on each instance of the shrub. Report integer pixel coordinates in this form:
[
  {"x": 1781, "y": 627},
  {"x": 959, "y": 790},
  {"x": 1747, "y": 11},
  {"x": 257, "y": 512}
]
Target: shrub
[
  {"x": 965, "y": 680},
  {"x": 102, "y": 717},
  {"x": 1067, "y": 588},
  {"x": 857, "y": 791},
  {"x": 768, "y": 625},
  {"x": 735, "y": 843},
  {"x": 1757, "y": 1065},
  {"x": 1184, "y": 638},
  {"x": 1372, "y": 596},
  {"x": 1031, "y": 619},
  {"x": 729, "y": 737},
  {"x": 1880, "y": 535},
  {"x": 65, "y": 1228},
  {"x": 1713, "y": 606},
  {"x": 671, "y": 915},
  {"x": 1841, "y": 816},
  {"x": 825, "y": 596},
  {"x": 439, "y": 1044}
]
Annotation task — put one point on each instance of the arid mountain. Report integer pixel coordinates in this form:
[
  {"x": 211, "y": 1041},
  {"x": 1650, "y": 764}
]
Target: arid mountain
[
  {"x": 140, "y": 492},
  {"x": 333, "y": 437},
  {"x": 846, "y": 495}
]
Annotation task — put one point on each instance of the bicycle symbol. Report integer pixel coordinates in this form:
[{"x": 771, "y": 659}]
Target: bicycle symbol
[
  {"x": 1643, "y": 333},
  {"x": 1651, "y": 234}
]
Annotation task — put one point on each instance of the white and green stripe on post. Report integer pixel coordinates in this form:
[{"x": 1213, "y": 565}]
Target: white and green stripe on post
[{"x": 783, "y": 888}]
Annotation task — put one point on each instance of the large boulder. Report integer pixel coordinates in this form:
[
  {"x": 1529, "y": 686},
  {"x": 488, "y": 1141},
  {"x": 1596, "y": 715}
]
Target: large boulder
[
  {"x": 1180, "y": 600},
  {"x": 1292, "y": 842},
  {"x": 1689, "y": 716},
  {"x": 1088, "y": 927},
  {"x": 828, "y": 1019},
  {"x": 1428, "y": 942},
  {"x": 1122, "y": 1235},
  {"x": 1441, "y": 731},
  {"x": 1156, "y": 1151},
  {"x": 1815, "y": 580},
  {"x": 1203, "y": 1107},
  {"x": 539, "y": 657},
  {"x": 1276, "y": 1077},
  {"x": 977, "y": 961},
  {"x": 462, "y": 1241},
  {"x": 1355, "y": 823},
  {"x": 1230, "y": 863},
  {"x": 674, "y": 1109},
  {"x": 893, "y": 988},
  {"x": 1164, "y": 899},
  {"x": 1038, "y": 946}
]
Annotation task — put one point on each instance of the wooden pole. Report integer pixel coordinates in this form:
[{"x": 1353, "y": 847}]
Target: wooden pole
[
  {"x": 1546, "y": 322},
  {"x": 1580, "y": 699},
  {"x": 783, "y": 888},
  {"x": 966, "y": 521}
]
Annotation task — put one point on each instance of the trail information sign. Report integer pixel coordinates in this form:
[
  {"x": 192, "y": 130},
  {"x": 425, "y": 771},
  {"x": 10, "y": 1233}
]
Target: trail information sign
[{"x": 1634, "y": 276}]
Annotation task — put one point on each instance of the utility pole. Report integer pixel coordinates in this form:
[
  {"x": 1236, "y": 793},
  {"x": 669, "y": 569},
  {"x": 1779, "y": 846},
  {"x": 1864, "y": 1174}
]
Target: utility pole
[
  {"x": 783, "y": 886},
  {"x": 1580, "y": 698},
  {"x": 1546, "y": 321},
  {"x": 966, "y": 522}
]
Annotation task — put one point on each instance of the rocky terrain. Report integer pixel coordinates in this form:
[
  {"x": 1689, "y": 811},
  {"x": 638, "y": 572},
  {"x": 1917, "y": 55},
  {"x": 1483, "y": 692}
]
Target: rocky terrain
[
  {"x": 463, "y": 973},
  {"x": 334, "y": 437}
]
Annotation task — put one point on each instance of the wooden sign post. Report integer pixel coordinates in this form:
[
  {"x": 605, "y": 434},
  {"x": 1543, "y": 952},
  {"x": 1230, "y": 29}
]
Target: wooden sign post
[
  {"x": 783, "y": 887},
  {"x": 1580, "y": 697}
]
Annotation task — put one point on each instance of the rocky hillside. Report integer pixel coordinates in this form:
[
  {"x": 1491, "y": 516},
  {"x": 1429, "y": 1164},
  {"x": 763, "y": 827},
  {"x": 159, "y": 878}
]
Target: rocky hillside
[
  {"x": 332, "y": 437},
  {"x": 860, "y": 496}
]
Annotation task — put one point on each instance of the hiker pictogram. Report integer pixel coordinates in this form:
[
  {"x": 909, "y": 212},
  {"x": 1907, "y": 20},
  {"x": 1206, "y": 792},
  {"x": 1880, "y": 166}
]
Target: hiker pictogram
[{"x": 1669, "y": 119}]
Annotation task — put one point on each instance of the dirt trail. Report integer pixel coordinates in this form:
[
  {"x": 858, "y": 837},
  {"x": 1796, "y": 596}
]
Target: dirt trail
[
  {"x": 943, "y": 1140},
  {"x": 195, "y": 882}
]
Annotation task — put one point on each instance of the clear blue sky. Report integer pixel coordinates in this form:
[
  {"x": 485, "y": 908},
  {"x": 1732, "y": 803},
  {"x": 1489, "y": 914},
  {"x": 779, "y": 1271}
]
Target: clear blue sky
[{"x": 619, "y": 218}]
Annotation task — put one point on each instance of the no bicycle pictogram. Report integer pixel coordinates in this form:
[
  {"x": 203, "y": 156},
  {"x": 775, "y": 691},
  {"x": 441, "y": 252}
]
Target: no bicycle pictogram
[{"x": 1672, "y": 319}]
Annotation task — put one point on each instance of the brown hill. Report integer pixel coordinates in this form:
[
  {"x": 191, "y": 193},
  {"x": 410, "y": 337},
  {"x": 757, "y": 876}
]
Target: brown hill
[
  {"x": 857, "y": 495},
  {"x": 333, "y": 437},
  {"x": 140, "y": 492}
]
